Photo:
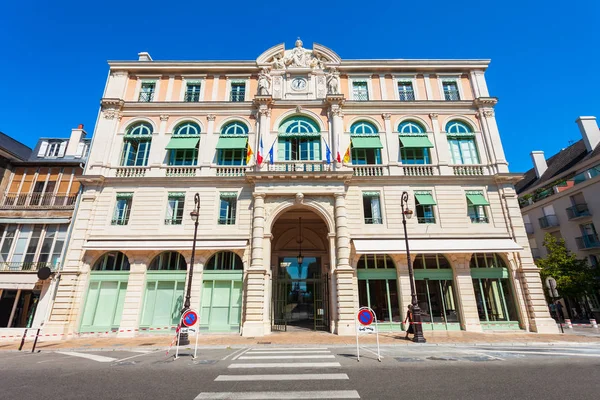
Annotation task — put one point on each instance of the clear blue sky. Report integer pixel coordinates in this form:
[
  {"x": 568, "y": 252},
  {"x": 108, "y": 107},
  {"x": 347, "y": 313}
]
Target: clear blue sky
[{"x": 545, "y": 54}]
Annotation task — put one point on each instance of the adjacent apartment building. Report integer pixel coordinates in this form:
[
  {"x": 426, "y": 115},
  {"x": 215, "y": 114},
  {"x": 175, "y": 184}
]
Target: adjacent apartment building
[
  {"x": 561, "y": 196},
  {"x": 39, "y": 195},
  {"x": 299, "y": 159}
]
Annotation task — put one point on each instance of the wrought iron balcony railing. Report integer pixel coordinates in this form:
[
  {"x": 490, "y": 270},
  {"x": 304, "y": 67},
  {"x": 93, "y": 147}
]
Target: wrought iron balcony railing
[
  {"x": 174, "y": 221},
  {"x": 426, "y": 220},
  {"x": 578, "y": 211},
  {"x": 373, "y": 221},
  {"x": 25, "y": 266},
  {"x": 451, "y": 95},
  {"x": 38, "y": 200},
  {"x": 192, "y": 97},
  {"x": 238, "y": 96},
  {"x": 146, "y": 97},
  {"x": 120, "y": 221},
  {"x": 361, "y": 96},
  {"x": 226, "y": 221},
  {"x": 588, "y": 242},
  {"x": 549, "y": 221},
  {"x": 406, "y": 95}
]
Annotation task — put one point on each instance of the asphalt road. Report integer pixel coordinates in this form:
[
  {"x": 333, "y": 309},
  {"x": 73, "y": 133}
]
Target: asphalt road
[{"x": 268, "y": 372}]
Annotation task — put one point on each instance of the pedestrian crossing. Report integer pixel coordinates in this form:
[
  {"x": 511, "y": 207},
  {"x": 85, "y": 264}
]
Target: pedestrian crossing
[{"x": 256, "y": 365}]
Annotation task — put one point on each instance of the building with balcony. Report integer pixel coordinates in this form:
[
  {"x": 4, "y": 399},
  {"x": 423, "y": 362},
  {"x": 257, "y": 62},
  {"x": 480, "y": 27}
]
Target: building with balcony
[
  {"x": 39, "y": 195},
  {"x": 560, "y": 196},
  {"x": 300, "y": 159}
]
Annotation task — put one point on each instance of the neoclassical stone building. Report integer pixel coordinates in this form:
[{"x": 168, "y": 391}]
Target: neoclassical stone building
[{"x": 299, "y": 159}]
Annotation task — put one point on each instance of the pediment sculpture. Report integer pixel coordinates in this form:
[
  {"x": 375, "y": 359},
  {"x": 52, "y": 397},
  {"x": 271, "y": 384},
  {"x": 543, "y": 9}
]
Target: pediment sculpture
[{"x": 298, "y": 57}]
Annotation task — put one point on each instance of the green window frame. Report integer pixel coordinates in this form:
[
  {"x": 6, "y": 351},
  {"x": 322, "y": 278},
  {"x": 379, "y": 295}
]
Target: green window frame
[
  {"x": 112, "y": 261},
  {"x": 187, "y": 157},
  {"x": 424, "y": 206},
  {"x": 372, "y": 208},
  {"x": 235, "y": 128},
  {"x": 378, "y": 288},
  {"x": 187, "y": 128},
  {"x": 410, "y": 127},
  {"x": 476, "y": 207},
  {"x": 224, "y": 261},
  {"x": 431, "y": 262},
  {"x": 168, "y": 261},
  {"x": 175, "y": 206},
  {"x": 122, "y": 209},
  {"x": 414, "y": 155},
  {"x": 366, "y": 156},
  {"x": 363, "y": 128},
  {"x": 298, "y": 148},
  {"x": 375, "y": 261},
  {"x": 227, "y": 208},
  {"x": 232, "y": 156}
]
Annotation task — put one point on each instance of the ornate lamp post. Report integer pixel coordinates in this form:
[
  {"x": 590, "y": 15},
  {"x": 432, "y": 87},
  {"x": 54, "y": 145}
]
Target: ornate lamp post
[
  {"x": 416, "y": 311},
  {"x": 195, "y": 214}
]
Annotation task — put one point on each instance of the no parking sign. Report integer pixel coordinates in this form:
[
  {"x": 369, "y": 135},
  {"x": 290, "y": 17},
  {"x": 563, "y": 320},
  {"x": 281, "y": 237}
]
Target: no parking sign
[{"x": 366, "y": 316}]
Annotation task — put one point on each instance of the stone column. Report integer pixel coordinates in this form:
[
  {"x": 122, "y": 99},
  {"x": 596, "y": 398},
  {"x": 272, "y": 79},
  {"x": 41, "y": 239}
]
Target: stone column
[
  {"x": 404, "y": 294},
  {"x": 344, "y": 274},
  {"x": 132, "y": 306},
  {"x": 253, "y": 324},
  {"x": 467, "y": 303}
]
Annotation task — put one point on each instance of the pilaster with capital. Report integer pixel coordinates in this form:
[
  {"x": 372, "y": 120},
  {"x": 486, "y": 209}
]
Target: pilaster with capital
[
  {"x": 392, "y": 145},
  {"x": 159, "y": 142},
  {"x": 489, "y": 128},
  {"x": 344, "y": 274},
  {"x": 336, "y": 116},
  {"x": 263, "y": 114},
  {"x": 206, "y": 151},
  {"x": 132, "y": 305},
  {"x": 467, "y": 302},
  {"x": 440, "y": 147}
]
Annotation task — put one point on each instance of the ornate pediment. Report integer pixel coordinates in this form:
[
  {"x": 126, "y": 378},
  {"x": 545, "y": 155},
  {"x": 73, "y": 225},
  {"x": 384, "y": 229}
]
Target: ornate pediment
[{"x": 278, "y": 58}]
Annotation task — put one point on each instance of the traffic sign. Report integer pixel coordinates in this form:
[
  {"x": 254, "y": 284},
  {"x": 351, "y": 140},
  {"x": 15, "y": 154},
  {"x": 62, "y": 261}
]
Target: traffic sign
[
  {"x": 550, "y": 283},
  {"x": 365, "y": 317},
  {"x": 189, "y": 318}
]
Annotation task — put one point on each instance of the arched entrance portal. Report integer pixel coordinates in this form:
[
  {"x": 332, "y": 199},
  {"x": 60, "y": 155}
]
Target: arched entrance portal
[{"x": 300, "y": 263}]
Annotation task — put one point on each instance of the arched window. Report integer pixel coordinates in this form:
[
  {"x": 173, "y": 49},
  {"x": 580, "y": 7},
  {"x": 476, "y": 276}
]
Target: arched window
[
  {"x": 461, "y": 141},
  {"x": 410, "y": 127},
  {"x": 235, "y": 128},
  {"x": 187, "y": 128},
  {"x": 487, "y": 260},
  {"x": 168, "y": 261},
  {"x": 363, "y": 128},
  {"x": 299, "y": 140},
  {"x": 136, "y": 145},
  {"x": 112, "y": 261},
  {"x": 431, "y": 261},
  {"x": 414, "y": 145},
  {"x": 224, "y": 261},
  {"x": 375, "y": 261}
]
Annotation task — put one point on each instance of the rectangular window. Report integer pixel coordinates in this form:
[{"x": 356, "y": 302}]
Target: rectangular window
[
  {"x": 192, "y": 93},
  {"x": 147, "y": 91},
  {"x": 300, "y": 149},
  {"x": 238, "y": 91},
  {"x": 366, "y": 156},
  {"x": 53, "y": 149},
  {"x": 9, "y": 237},
  {"x": 184, "y": 157},
  {"x": 494, "y": 300},
  {"x": 372, "y": 208},
  {"x": 360, "y": 91},
  {"x": 135, "y": 153},
  {"x": 451, "y": 90},
  {"x": 463, "y": 151},
  {"x": 424, "y": 205},
  {"x": 476, "y": 207},
  {"x": 122, "y": 209},
  {"x": 227, "y": 208},
  {"x": 175, "y": 205},
  {"x": 414, "y": 155},
  {"x": 405, "y": 91},
  {"x": 231, "y": 157},
  {"x": 381, "y": 295}
]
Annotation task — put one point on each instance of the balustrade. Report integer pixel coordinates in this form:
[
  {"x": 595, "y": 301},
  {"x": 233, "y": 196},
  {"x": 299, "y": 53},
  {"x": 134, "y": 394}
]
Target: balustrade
[
  {"x": 468, "y": 170},
  {"x": 181, "y": 171},
  {"x": 231, "y": 170},
  {"x": 299, "y": 166},
  {"x": 131, "y": 172},
  {"x": 369, "y": 170},
  {"x": 418, "y": 170}
]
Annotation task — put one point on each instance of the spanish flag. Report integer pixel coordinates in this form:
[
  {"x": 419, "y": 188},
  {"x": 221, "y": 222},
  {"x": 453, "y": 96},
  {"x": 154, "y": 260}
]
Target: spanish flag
[
  {"x": 347, "y": 156},
  {"x": 249, "y": 154}
]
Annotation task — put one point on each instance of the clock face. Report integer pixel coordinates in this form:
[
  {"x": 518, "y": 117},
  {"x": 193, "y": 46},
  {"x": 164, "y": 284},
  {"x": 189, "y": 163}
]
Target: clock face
[{"x": 298, "y": 83}]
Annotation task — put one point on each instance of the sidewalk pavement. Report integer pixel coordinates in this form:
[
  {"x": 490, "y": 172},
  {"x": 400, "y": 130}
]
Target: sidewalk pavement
[{"x": 300, "y": 338}]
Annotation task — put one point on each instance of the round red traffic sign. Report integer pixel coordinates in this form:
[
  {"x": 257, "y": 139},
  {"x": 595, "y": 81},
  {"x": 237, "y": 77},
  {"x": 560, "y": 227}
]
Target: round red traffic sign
[
  {"x": 365, "y": 317},
  {"x": 189, "y": 318}
]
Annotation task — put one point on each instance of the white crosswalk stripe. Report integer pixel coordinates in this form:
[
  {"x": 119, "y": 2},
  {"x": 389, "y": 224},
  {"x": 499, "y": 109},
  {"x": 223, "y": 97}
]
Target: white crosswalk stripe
[{"x": 263, "y": 359}]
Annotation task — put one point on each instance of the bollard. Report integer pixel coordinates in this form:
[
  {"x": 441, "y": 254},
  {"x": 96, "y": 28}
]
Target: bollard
[
  {"x": 594, "y": 323},
  {"x": 569, "y": 324}
]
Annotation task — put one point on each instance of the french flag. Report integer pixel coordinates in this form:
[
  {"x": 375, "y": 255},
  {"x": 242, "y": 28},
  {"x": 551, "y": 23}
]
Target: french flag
[{"x": 261, "y": 150}]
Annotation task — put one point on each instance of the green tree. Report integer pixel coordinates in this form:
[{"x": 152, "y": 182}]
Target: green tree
[{"x": 574, "y": 276}]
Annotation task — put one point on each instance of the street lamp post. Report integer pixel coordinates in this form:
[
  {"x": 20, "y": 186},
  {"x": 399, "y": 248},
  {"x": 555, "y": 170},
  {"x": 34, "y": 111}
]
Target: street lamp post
[
  {"x": 195, "y": 214},
  {"x": 416, "y": 311}
]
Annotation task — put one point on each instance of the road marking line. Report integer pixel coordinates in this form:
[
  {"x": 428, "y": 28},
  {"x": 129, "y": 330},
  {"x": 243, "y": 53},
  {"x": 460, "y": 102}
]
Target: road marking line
[
  {"x": 286, "y": 357},
  {"x": 235, "y": 352},
  {"x": 282, "y": 377},
  {"x": 288, "y": 352},
  {"x": 93, "y": 357},
  {"x": 287, "y": 365},
  {"x": 323, "y": 394},
  {"x": 287, "y": 348},
  {"x": 239, "y": 354},
  {"x": 544, "y": 353}
]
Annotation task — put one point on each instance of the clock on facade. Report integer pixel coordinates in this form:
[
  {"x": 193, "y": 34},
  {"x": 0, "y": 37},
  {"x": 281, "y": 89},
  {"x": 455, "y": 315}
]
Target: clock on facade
[{"x": 298, "y": 83}]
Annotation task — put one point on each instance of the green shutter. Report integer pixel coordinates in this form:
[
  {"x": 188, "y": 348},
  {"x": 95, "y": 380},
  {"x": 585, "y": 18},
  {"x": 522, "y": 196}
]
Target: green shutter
[
  {"x": 182, "y": 143},
  {"x": 415, "y": 141},
  {"x": 281, "y": 144},
  {"x": 228, "y": 142},
  {"x": 368, "y": 142},
  {"x": 316, "y": 144},
  {"x": 477, "y": 199},
  {"x": 425, "y": 199}
]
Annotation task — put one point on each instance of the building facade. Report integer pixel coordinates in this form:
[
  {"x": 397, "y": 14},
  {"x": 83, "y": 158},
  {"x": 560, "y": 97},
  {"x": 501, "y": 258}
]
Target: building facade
[
  {"x": 39, "y": 196},
  {"x": 300, "y": 159},
  {"x": 560, "y": 196}
]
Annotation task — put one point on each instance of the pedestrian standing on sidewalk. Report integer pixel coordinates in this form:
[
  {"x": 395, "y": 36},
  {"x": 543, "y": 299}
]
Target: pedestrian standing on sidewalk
[{"x": 409, "y": 318}]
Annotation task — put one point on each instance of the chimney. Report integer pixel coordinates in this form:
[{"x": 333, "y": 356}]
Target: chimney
[
  {"x": 144, "y": 56},
  {"x": 76, "y": 136},
  {"x": 589, "y": 132},
  {"x": 539, "y": 163}
]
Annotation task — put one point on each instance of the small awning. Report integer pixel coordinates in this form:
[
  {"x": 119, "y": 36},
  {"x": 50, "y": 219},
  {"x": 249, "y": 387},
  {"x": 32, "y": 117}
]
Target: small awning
[
  {"x": 477, "y": 199},
  {"x": 415, "y": 142},
  {"x": 232, "y": 142},
  {"x": 425, "y": 199},
  {"x": 367, "y": 142},
  {"x": 432, "y": 246},
  {"x": 97, "y": 244},
  {"x": 182, "y": 143}
]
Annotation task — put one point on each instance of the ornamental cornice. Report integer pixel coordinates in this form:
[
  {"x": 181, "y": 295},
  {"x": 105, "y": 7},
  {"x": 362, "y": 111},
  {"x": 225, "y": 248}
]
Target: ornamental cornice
[
  {"x": 386, "y": 116},
  {"x": 433, "y": 115},
  {"x": 485, "y": 102},
  {"x": 164, "y": 117},
  {"x": 211, "y": 117}
]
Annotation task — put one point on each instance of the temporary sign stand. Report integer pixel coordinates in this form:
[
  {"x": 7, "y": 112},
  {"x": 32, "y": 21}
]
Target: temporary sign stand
[
  {"x": 365, "y": 317},
  {"x": 188, "y": 322}
]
